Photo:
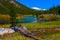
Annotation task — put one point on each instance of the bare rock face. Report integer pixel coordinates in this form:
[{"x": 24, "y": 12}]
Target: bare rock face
[
  {"x": 12, "y": 2},
  {"x": 7, "y": 0}
]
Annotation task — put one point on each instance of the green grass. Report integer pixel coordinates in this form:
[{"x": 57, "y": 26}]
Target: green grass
[{"x": 31, "y": 27}]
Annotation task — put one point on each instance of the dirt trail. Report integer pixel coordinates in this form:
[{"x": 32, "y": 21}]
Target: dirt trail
[{"x": 48, "y": 30}]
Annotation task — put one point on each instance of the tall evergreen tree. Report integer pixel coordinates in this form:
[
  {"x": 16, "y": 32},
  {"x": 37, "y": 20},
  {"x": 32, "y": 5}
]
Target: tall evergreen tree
[{"x": 13, "y": 15}]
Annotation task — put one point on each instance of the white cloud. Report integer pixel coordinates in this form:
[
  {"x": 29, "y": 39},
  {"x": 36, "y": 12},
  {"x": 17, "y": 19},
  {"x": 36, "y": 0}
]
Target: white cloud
[
  {"x": 36, "y": 8},
  {"x": 43, "y": 9}
]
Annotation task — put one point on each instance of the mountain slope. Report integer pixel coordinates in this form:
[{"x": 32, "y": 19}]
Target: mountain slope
[{"x": 5, "y": 6}]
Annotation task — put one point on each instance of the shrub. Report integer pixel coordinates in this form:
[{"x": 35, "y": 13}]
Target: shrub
[{"x": 49, "y": 17}]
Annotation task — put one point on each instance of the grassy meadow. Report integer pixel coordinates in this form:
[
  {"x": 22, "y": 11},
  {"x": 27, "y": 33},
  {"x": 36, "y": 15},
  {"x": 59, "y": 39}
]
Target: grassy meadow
[
  {"x": 11, "y": 11},
  {"x": 32, "y": 27}
]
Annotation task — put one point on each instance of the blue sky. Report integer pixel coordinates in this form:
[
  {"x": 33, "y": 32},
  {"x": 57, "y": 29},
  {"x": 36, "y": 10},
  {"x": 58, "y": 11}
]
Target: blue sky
[{"x": 40, "y": 4}]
